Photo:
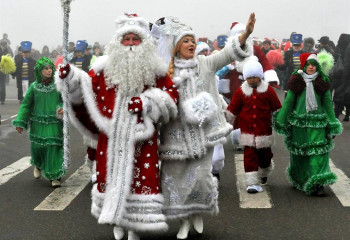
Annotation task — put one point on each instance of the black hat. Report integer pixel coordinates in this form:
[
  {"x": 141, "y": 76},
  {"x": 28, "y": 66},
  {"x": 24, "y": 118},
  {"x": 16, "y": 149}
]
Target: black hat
[{"x": 324, "y": 40}]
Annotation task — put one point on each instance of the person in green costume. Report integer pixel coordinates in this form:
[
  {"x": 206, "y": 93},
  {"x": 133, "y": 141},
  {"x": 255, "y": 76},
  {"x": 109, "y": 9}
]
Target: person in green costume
[
  {"x": 41, "y": 112},
  {"x": 309, "y": 125}
]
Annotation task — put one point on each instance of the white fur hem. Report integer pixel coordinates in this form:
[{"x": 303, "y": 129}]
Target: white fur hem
[
  {"x": 97, "y": 201},
  {"x": 256, "y": 141},
  {"x": 251, "y": 178},
  {"x": 224, "y": 86},
  {"x": 271, "y": 76},
  {"x": 265, "y": 172}
]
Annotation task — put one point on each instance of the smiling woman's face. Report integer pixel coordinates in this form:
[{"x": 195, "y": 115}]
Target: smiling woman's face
[{"x": 187, "y": 48}]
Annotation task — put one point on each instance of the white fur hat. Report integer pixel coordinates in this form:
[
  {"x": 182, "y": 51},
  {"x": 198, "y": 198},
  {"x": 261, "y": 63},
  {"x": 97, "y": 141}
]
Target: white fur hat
[
  {"x": 253, "y": 69},
  {"x": 171, "y": 31},
  {"x": 131, "y": 23},
  {"x": 201, "y": 46},
  {"x": 237, "y": 28}
]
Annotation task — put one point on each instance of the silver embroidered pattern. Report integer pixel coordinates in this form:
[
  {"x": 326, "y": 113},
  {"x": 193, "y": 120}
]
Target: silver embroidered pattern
[
  {"x": 136, "y": 172},
  {"x": 146, "y": 190},
  {"x": 176, "y": 135}
]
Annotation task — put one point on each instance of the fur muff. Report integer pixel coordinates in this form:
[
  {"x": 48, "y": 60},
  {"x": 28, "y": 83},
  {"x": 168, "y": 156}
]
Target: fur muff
[
  {"x": 296, "y": 83},
  {"x": 321, "y": 86}
]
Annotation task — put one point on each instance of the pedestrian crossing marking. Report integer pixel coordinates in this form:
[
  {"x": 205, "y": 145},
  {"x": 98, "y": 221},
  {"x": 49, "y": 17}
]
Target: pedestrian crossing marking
[
  {"x": 246, "y": 200},
  {"x": 12, "y": 170},
  {"x": 3, "y": 120},
  {"x": 61, "y": 197},
  {"x": 341, "y": 188}
]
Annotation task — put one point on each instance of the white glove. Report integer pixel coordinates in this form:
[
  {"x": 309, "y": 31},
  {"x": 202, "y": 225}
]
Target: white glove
[{"x": 218, "y": 159}]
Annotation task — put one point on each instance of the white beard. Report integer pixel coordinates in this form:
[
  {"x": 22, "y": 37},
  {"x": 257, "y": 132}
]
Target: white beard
[{"x": 132, "y": 68}]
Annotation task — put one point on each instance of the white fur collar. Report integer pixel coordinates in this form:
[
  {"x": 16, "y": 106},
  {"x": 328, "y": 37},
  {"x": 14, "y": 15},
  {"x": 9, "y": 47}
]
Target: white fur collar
[
  {"x": 182, "y": 63},
  {"x": 247, "y": 90},
  {"x": 100, "y": 64}
]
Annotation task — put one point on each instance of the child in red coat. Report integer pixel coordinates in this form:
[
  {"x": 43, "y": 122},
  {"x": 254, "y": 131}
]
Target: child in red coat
[{"x": 255, "y": 101}]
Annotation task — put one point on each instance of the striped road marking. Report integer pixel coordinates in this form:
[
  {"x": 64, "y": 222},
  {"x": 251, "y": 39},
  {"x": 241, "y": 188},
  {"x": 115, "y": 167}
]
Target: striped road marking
[
  {"x": 258, "y": 200},
  {"x": 12, "y": 170},
  {"x": 61, "y": 197},
  {"x": 341, "y": 187},
  {"x": 3, "y": 120}
]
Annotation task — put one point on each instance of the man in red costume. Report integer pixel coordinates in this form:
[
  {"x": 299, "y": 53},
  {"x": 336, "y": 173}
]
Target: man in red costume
[{"x": 125, "y": 94}]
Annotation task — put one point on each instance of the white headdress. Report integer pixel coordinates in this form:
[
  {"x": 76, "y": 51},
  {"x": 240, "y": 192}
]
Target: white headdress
[{"x": 171, "y": 31}]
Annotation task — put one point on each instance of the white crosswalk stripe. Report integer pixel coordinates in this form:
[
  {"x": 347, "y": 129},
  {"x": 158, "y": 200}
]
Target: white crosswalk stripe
[
  {"x": 61, "y": 197},
  {"x": 341, "y": 187},
  {"x": 246, "y": 200},
  {"x": 12, "y": 170}
]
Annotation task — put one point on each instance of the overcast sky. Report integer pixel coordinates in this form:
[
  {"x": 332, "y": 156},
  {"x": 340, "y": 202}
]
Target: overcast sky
[{"x": 41, "y": 21}]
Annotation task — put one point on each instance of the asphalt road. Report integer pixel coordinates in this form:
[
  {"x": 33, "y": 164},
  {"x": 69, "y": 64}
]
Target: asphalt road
[{"x": 293, "y": 214}]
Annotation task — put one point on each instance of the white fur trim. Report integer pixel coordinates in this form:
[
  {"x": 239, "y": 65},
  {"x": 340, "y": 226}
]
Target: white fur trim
[
  {"x": 182, "y": 34},
  {"x": 253, "y": 68},
  {"x": 224, "y": 86},
  {"x": 91, "y": 142},
  {"x": 236, "y": 50},
  {"x": 251, "y": 178},
  {"x": 256, "y": 141},
  {"x": 265, "y": 172},
  {"x": 264, "y": 141},
  {"x": 73, "y": 78},
  {"x": 247, "y": 140},
  {"x": 102, "y": 122},
  {"x": 100, "y": 64},
  {"x": 80, "y": 127},
  {"x": 237, "y": 29},
  {"x": 271, "y": 76},
  {"x": 97, "y": 201},
  {"x": 201, "y": 47},
  {"x": 142, "y": 221},
  {"x": 137, "y": 25},
  {"x": 201, "y": 108},
  {"x": 247, "y": 90}
]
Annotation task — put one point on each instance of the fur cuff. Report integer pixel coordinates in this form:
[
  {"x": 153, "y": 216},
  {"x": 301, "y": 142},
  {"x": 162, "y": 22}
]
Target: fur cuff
[
  {"x": 236, "y": 50},
  {"x": 224, "y": 86},
  {"x": 200, "y": 109},
  {"x": 271, "y": 76},
  {"x": 265, "y": 172},
  {"x": 251, "y": 178}
]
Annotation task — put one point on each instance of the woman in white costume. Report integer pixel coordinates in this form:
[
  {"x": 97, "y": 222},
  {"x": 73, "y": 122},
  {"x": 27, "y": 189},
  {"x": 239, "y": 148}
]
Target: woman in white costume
[{"x": 187, "y": 143}]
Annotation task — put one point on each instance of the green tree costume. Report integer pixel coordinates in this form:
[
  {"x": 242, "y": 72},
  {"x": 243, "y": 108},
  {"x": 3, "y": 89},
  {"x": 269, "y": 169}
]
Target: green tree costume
[
  {"x": 38, "y": 112},
  {"x": 308, "y": 135}
]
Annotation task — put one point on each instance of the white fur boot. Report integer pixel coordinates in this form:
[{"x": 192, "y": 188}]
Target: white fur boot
[
  {"x": 184, "y": 229},
  {"x": 133, "y": 236},
  {"x": 197, "y": 222},
  {"x": 118, "y": 233}
]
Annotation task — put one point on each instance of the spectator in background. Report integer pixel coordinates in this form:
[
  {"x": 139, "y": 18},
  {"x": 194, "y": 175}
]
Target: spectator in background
[
  {"x": 202, "y": 49},
  {"x": 54, "y": 55},
  {"x": 3, "y": 52},
  {"x": 71, "y": 49},
  {"x": 221, "y": 40},
  {"x": 24, "y": 69},
  {"x": 266, "y": 46},
  {"x": 292, "y": 58},
  {"x": 340, "y": 80},
  {"x": 324, "y": 45},
  {"x": 45, "y": 52},
  {"x": 79, "y": 59},
  {"x": 309, "y": 44}
]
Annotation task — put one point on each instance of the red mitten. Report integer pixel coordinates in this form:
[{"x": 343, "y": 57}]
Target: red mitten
[
  {"x": 64, "y": 71},
  {"x": 135, "y": 105}
]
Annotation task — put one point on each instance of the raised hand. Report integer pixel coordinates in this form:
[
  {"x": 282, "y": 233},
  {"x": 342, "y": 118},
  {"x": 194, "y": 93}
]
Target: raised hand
[
  {"x": 64, "y": 71},
  {"x": 248, "y": 30}
]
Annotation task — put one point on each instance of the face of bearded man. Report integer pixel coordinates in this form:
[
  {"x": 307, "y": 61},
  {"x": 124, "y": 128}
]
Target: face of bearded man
[{"x": 133, "y": 67}]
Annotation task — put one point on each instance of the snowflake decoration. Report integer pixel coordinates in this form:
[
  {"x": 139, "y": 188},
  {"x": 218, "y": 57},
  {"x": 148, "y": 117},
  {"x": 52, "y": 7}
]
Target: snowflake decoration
[
  {"x": 146, "y": 190},
  {"x": 146, "y": 165},
  {"x": 150, "y": 142},
  {"x": 176, "y": 135},
  {"x": 138, "y": 184},
  {"x": 136, "y": 172},
  {"x": 137, "y": 101},
  {"x": 164, "y": 88}
]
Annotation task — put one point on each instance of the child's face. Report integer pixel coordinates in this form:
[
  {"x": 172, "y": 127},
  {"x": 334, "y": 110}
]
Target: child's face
[
  {"x": 46, "y": 72},
  {"x": 253, "y": 82}
]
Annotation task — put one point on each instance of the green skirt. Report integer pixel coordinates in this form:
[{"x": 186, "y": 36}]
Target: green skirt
[{"x": 306, "y": 173}]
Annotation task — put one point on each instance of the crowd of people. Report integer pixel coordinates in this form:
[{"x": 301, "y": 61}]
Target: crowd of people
[{"x": 156, "y": 105}]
